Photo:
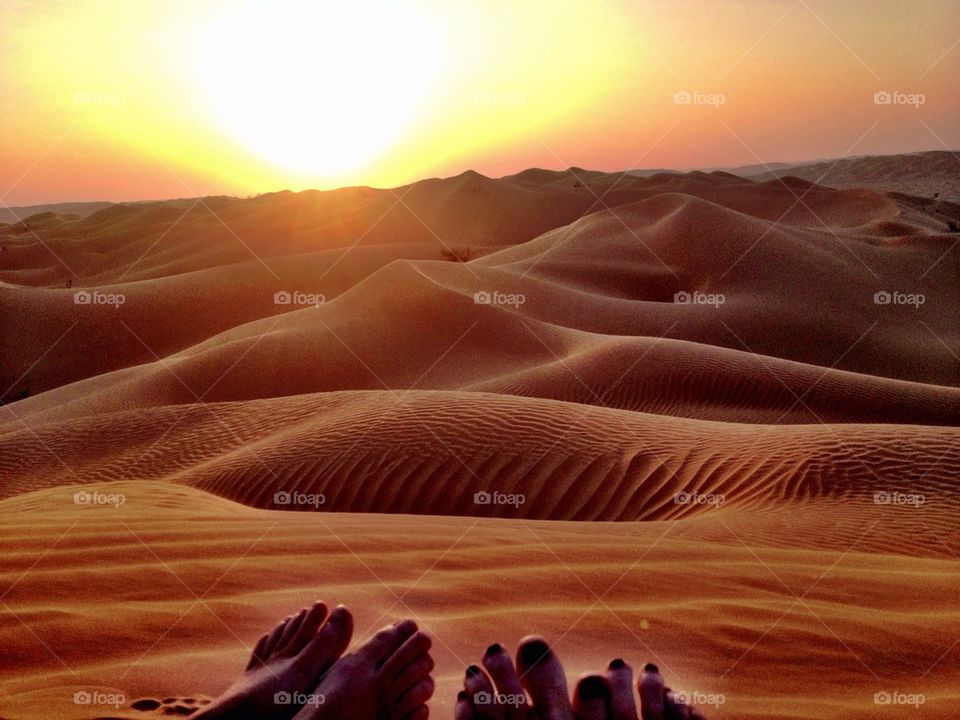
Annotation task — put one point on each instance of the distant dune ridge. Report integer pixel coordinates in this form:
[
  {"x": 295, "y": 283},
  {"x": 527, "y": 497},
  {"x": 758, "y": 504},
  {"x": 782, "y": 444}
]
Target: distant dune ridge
[
  {"x": 927, "y": 174},
  {"x": 766, "y": 373}
]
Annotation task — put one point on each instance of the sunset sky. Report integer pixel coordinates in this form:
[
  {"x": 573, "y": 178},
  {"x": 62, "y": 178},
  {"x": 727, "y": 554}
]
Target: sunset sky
[{"x": 110, "y": 100}]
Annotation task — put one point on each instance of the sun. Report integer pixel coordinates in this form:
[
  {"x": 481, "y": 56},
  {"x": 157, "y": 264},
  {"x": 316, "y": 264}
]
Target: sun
[{"x": 320, "y": 87}]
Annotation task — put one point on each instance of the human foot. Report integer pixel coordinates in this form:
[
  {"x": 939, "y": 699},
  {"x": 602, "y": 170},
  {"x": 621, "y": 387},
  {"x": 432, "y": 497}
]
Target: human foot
[
  {"x": 502, "y": 694},
  {"x": 285, "y": 666},
  {"x": 388, "y": 678}
]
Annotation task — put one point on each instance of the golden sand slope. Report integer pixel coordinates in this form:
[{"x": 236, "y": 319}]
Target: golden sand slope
[{"x": 806, "y": 611}]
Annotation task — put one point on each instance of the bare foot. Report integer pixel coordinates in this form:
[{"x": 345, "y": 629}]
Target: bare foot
[
  {"x": 388, "y": 678},
  {"x": 502, "y": 695},
  {"x": 537, "y": 690},
  {"x": 286, "y": 665}
]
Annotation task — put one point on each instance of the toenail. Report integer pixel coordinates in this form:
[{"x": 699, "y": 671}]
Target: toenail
[
  {"x": 533, "y": 652},
  {"x": 617, "y": 664},
  {"x": 145, "y": 704},
  {"x": 494, "y": 649},
  {"x": 591, "y": 688},
  {"x": 651, "y": 668},
  {"x": 472, "y": 671}
]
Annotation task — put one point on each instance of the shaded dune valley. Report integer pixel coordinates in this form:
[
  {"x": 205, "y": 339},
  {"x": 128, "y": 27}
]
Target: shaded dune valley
[{"x": 693, "y": 419}]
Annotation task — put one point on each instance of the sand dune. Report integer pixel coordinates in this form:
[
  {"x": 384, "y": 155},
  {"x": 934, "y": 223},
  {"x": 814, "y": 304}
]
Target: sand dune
[
  {"x": 14, "y": 215},
  {"x": 759, "y": 380},
  {"x": 162, "y": 316},
  {"x": 923, "y": 173},
  {"x": 385, "y": 452},
  {"x": 616, "y": 272}
]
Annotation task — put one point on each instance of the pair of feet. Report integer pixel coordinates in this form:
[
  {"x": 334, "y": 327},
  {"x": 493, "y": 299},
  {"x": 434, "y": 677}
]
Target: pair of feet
[
  {"x": 299, "y": 671},
  {"x": 536, "y": 688}
]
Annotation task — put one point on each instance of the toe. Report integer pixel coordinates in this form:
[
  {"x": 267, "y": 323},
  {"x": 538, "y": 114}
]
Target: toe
[
  {"x": 273, "y": 639},
  {"x": 413, "y": 673},
  {"x": 257, "y": 656},
  {"x": 652, "y": 693},
  {"x": 386, "y": 642},
  {"x": 413, "y": 649},
  {"x": 620, "y": 684},
  {"x": 590, "y": 698},
  {"x": 311, "y": 621},
  {"x": 290, "y": 630},
  {"x": 482, "y": 694},
  {"x": 414, "y": 697},
  {"x": 504, "y": 675},
  {"x": 464, "y": 709},
  {"x": 329, "y": 643},
  {"x": 542, "y": 676}
]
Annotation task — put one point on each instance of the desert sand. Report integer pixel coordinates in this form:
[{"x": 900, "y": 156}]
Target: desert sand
[
  {"x": 927, "y": 174},
  {"x": 690, "y": 419}
]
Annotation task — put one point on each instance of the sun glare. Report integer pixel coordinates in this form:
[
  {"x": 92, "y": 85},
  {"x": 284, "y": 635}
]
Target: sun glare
[{"x": 316, "y": 88}]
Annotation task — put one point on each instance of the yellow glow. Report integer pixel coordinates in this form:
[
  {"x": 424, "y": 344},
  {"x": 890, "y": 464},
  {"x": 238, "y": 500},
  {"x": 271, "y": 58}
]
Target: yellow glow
[
  {"x": 239, "y": 97},
  {"x": 317, "y": 88},
  {"x": 112, "y": 99}
]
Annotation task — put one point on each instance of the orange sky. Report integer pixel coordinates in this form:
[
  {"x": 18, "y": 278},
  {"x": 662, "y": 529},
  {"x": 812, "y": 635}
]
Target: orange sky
[{"x": 136, "y": 100}]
